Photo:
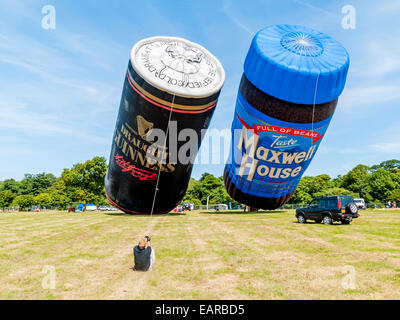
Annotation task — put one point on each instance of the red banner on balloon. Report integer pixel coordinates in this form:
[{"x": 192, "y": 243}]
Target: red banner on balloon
[
  {"x": 276, "y": 129},
  {"x": 294, "y": 132}
]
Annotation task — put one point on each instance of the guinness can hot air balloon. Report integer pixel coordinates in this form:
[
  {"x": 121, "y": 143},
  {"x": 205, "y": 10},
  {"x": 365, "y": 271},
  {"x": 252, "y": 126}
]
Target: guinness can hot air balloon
[
  {"x": 170, "y": 93},
  {"x": 292, "y": 79}
]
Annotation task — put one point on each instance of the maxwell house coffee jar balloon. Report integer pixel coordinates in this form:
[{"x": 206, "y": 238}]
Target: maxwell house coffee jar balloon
[
  {"x": 170, "y": 93},
  {"x": 292, "y": 79}
]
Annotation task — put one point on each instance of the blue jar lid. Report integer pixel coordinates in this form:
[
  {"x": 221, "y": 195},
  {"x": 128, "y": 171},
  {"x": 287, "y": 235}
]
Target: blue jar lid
[{"x": 297, "y": 64}]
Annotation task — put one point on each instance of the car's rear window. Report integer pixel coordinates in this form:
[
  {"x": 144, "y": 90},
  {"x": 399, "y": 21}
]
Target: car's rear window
[{"x": 345, "y": 200}]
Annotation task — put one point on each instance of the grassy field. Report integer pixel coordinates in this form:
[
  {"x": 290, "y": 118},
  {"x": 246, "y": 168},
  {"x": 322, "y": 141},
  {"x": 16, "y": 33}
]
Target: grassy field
[{"x": 199, "y": 255}]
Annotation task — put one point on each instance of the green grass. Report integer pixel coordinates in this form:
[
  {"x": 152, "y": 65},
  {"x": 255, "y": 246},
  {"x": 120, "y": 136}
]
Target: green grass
[{"x": 199, "y": 255}]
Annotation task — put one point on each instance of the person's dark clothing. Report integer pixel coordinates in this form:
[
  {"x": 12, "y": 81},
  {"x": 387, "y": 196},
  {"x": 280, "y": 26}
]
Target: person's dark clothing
[{"x": 142, "y": 258}]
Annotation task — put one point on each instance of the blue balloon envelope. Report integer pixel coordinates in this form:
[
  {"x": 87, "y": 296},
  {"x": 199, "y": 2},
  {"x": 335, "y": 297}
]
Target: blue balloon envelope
[{"x": 293, "y": 76}]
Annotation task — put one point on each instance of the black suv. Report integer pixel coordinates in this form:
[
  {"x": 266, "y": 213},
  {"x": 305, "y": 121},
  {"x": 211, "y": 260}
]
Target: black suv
[{"x": 328, "y": 210}]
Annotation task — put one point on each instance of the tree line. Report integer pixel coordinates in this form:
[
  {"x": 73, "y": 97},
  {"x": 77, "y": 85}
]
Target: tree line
[
  {"x": 84, "y": 182},
  {"x": 376, "y": 184}
]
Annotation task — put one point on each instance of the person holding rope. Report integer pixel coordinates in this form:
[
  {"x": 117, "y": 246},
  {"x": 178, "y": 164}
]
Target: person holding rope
[{"x": 144, "y": 255}]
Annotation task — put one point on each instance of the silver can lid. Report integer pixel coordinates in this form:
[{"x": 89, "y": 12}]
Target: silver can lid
[{"x": 178, "y": 66}]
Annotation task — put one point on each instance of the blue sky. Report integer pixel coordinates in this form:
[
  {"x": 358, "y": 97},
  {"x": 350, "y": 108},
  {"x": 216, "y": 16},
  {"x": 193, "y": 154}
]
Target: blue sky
[{"x": 60, "y": 89}]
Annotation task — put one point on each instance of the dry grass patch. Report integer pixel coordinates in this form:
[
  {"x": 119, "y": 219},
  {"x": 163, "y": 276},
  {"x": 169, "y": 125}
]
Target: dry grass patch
[{"x": 199, "y": 256}]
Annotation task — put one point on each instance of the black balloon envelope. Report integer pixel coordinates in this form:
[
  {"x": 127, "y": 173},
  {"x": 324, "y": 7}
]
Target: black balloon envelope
[{"x": 169, "y": 96}]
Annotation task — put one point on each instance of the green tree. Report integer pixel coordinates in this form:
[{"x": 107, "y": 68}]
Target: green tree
[
  {"x": 320, "y": 183},
  {"x": 220, "y": 195},
  {"x": 102, "y": 200},
  {"x": 194, "y": 190},
  {"x": 382, "y": 184},
  {"x": 195, "y": 201},
  {"x": 85, "y": 181},
  {"x": 302, "y": 193},
  {"x": 43, "y": 199},
  {"x": 34, "y": 184},
  {"x": 309, "y": 186},
  {"x": 387, "y": 165},
  {"x": 6, "y": 198},
  {"x": 23, "y": 201},
  {"x": 214, "y": 188},
  {"x": 204, "y": 175},
  {"x": 209, "y": 184},
  {"x": 395, "y": 196},
  {"x": 335, "y": 191},
  {"x": 10, "y": 184},
  {"x": 85, "y": 196},
  {"x": 395, "y": 176},
  {"x": 358, "y": 180},
  {"x": 59, "y": 200}
]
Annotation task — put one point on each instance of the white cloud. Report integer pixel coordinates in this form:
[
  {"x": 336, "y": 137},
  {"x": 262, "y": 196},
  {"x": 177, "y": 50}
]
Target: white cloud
[
  {"x": 49, "y": 63},
  {"x": 372, "y": 95},
  {"x": 320, "y": 10},
  {"x": 387, "y": 147},
  {"x": 391, "y": 6},
  {"x": 381, "y": 58},
  {"x": 343, "y": 150},
  {"x": 239, "y": 22},
  {"x": 18, "y": 117}
]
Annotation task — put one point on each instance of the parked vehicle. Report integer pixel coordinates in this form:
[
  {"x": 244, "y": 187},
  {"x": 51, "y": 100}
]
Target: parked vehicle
[
  {"x": 219, "y": 207},
  {"x": 187, "y": 206},
  {"x": 360, "y": 203},
  {"x": 328, "y": 210},
  {"x": 106, "y": 208},
  {"x": 91, "y": 207}
]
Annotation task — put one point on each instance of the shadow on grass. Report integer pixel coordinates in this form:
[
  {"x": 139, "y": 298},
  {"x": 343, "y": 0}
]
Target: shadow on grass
[
  {"x": 144, "y": 216},
  {"x": 241, "y": 212},
  {"x": 322, "y": 224},
  {"x": 176, "y": 214}
]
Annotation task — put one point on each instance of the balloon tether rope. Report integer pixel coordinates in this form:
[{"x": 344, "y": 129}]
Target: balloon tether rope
[
  {"x": 313, "y": 110},
  {"x": 162, "y": 155}
]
